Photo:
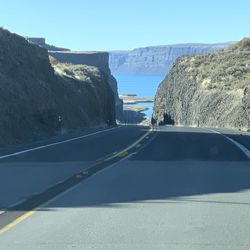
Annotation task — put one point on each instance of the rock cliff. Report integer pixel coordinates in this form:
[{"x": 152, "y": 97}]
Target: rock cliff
[
  {"x": 97, "y": 59},
  {"x": 39, "y": 101},
  {"x": 157, "y": 59},
  {"x": 209, "y": 90},
  {"x": 91, "y": 58}
]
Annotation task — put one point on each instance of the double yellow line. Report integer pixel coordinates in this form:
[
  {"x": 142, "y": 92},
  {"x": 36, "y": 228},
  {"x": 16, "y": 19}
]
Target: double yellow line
[
  {"x": 124, "y": 152},
  {"x": 16, "y": 221},
  {"x": 24, "y": 216}
]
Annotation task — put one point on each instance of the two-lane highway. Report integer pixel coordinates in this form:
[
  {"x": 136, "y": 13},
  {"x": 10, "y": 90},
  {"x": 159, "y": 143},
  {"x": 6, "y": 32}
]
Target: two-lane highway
[
  {"x": 30, "y": 170},
  {"x": 187, "y": 188}
]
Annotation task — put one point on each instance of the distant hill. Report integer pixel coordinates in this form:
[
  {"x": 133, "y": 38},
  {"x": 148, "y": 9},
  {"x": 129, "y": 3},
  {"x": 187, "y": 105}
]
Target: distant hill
[
  {"x": 209, "y": 90},
  {"x": 156, "y": 59}
]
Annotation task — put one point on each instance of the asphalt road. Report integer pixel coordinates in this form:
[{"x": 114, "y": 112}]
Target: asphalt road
[
  {"x": 179, "y": 188},
  {"x": 32, "y": 172}
]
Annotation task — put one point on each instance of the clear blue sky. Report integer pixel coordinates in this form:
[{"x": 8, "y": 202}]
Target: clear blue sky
[{"x": 127, "y": 24}]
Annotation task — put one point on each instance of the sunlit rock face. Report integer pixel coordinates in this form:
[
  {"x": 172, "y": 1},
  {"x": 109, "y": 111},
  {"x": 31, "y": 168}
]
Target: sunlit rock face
[
  {"x": 209, "y": 90},
  {"x": 40, "y": 98},
  {"x": 155, "y": 60}
]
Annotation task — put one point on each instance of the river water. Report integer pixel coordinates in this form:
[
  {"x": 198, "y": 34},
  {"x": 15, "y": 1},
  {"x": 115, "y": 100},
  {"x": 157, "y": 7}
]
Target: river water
[{"x": 141, "y": 85}]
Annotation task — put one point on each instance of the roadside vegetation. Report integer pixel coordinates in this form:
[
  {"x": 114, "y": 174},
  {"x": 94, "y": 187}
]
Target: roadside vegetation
[{"x": 229, "y": 71}]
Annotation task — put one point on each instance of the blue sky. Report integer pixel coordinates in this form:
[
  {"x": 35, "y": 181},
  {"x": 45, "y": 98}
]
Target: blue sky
[{"x": 127, "y": 24}]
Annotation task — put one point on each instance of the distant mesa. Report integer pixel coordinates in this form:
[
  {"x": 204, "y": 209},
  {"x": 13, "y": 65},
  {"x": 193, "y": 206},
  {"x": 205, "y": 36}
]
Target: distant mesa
[
  {"x": 156, "y": 60},
  {"x": 42, "y": 42}
]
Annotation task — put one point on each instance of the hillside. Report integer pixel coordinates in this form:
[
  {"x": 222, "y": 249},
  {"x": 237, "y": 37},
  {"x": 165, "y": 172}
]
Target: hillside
[
  {"x": 38, "y": 102},
  {"x": 156, "y": 60},
  {"x": 210, "y": 90},
  {"x": 92, "y": 58}
]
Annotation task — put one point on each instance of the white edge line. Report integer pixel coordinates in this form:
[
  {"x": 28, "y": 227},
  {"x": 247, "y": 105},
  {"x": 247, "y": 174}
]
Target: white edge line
[
  {"x": 43, "y": 205},
  {"x": 55, "y": 143},
  {"x": 237, "y": 144},
  {"x": 75, "y": 186}
]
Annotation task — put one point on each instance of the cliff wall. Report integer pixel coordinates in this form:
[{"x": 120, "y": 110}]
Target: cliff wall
[
  {"x": 39, "y": 101},
  {"x": 97, "y": 59},
  {"x": 91, "y": 58},
  {"x": 210, "y": 90},
  {"x": 155, "y": 60}
]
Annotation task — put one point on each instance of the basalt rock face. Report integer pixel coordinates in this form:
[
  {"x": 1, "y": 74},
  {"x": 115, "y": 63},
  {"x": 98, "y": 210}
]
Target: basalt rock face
[
  {"x": 39, "y": 101},
  {"x": 210, "y": 90},
  {"x": 97, "y": 59},
  {"x": 155, "y": 60},
  {"x": 91, "y": 58}
]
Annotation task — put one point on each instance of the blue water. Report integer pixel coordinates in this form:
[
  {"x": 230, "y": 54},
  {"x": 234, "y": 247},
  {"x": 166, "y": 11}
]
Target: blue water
[{"x": 141, "y": 85}]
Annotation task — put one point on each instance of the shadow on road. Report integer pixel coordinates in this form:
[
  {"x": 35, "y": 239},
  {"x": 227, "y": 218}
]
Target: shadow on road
[
  {"x": 85, "y": 149},
  {"x": 201, "y": 146},
  {"x": 135, "y": 181},
  {"x": 174, "y": 165}
]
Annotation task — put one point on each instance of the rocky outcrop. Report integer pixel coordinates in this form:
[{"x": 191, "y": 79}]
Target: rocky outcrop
[
  {"x": 210, "y": 90},
  {"x": 155, "y": 60},
  {"x": 92, "y": 58},
  {"x": 97, "y": 59},
  {"x": 39, "y": 101},
  {"x": 42, "y": 42}
]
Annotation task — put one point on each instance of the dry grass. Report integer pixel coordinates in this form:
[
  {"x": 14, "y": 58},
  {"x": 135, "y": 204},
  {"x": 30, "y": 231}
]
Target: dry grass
[{"x": 229, "y": 70}]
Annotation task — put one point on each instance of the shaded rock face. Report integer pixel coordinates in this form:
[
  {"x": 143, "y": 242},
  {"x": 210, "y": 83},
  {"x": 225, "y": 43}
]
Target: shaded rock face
[
  {"x": 210, "y": 90},
  {"x": 155, "y": 60},
  {"x": 39, "y": 101},
  {"x": 97, "y": 59}
]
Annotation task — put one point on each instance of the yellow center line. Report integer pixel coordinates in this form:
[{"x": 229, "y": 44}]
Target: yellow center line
[
  {"x": 123, "y": 154},
  {"x": 129, "y": 147},
  {"x": 16, "y": 221},
  {"x": 29, "y": 213}
]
